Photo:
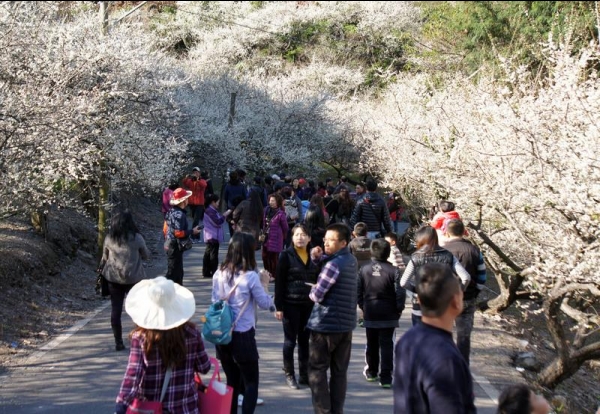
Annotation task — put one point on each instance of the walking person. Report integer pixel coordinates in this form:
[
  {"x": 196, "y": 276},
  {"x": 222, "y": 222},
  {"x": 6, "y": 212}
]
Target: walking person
[
  {"x": 332, "y": 321},
  {"x": 381, "y": 300},
  {"x": 373, "y": 212},
  {"x": 164, "y": 343},
  {"x": 275, "y": 228},
  {"x": 430, "y": 374},
  {"x": 121, "y": 265},
  {"x": 471, "y": 259},
  {"x": 213, "y": 235},
  {"x": 240, "y": 357},
  {"x": 428, "y": 251},
  {"x": 197, "y": 185},
  {"x": 248, "y": 215},
  {"x": 295, "y": 273},
  {"x": 176, "y": 227}
]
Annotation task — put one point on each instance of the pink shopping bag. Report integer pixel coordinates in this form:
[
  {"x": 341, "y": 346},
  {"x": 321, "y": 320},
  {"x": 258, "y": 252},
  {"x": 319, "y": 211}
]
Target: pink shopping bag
[{"x": 214, "y": 398}]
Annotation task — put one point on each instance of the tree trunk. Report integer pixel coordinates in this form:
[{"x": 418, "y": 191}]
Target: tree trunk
[
  {"x": 558, "y": 371},
  {"x": 103, "y": 193}
]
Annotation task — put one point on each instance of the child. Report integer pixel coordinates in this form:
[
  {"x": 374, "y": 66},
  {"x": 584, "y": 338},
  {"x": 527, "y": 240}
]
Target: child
[
  {"x": 395, "y": 254},
  {"x": 360, "y": 246},
  {"x": 442, "y": 212},
  {"x": 381, "y": 299}
]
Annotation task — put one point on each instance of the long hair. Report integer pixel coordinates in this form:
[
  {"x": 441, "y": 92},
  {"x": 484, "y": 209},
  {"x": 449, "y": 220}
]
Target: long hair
[
  {"x": 314, "y": 219},
  {"x": 240, "y": 254},
  {"x": 170, "y": 344},
  {"x": 317, "y": 200},
  {"x": 122, "y": 227},
  {"x": 426, "y": 239},
  {"x": 345, "y": 202},
  {"x": 256, "y": 207}
]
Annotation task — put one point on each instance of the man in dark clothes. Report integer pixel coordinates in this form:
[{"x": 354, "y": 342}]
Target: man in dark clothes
[{"x": 430, "y": 374}]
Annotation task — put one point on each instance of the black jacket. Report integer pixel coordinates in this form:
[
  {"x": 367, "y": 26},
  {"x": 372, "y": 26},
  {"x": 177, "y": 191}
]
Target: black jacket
[
  {"x": 291, "y": 277},
  {"x": 379, "y": 294},
  {"x": 373, "y": 212}
]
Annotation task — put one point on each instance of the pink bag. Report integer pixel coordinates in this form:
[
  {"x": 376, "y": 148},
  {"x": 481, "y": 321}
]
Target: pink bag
[
  {"x": 144, "y": 407},
  {"x": 215, "y": 398},
  {"x": 138, "y": 406}
]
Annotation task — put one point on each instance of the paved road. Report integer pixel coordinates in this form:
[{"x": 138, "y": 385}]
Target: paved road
[{"x": 80, "y": 372}]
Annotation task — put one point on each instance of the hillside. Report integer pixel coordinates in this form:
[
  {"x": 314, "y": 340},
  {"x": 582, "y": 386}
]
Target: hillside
[{"x": 48, "y": 283}]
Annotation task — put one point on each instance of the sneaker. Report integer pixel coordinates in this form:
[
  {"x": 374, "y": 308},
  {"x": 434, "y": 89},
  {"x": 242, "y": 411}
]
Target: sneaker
[
  {"x": 291, "y": 382},
  {"x": 385, "y": 385},
  {"x": 369, "y": 377},
  {"x": 259, "y": 401}
]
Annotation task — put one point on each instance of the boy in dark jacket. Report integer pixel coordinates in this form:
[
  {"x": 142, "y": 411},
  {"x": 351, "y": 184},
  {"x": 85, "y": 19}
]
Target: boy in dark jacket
[{"x": 381, "y": 299}]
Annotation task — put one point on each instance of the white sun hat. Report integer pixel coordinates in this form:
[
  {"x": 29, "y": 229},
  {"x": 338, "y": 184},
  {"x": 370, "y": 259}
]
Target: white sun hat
[{"x": 159, "y": 304}]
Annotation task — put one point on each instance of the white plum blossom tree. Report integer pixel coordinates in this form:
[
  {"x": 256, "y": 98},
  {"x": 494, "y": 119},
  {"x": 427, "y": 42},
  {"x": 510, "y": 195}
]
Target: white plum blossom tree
[{"x": 520, "y": 160}]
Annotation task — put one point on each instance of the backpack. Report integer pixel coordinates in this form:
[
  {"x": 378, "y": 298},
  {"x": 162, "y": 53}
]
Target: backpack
[{"x": 218, "y": 320}]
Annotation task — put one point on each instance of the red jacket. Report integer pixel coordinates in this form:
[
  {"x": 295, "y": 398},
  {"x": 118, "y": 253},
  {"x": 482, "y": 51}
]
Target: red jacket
[
  {"x": 197, "y": 188},
  {"x": 438, "y": 220}
]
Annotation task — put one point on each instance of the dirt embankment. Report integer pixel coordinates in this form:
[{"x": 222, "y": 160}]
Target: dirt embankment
[{"x": 47, "y": 281}]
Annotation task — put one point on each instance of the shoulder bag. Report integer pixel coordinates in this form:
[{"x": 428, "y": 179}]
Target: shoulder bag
[
  {"x": 218, "y": 320},
  {"x": 139, "y": 406}
]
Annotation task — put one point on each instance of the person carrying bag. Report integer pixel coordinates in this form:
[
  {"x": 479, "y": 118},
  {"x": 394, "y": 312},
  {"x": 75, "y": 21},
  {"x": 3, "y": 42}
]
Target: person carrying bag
[{"x": 163, "y": 338}]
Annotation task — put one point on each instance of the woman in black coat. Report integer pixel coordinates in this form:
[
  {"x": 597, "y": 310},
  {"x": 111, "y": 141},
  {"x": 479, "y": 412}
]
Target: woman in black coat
[{"x": 294, "y": 277}]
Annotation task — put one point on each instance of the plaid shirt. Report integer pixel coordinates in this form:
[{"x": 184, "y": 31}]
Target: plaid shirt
[
  {"x": 144, "y": 376},
  {"x": 325, "y": 281}
]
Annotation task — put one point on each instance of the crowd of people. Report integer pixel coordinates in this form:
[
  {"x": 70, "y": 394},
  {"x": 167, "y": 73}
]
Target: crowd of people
[{"x": 333, "y": 255}]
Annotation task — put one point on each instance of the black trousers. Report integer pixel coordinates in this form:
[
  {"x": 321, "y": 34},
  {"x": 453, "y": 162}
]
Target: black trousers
[
  {"x": 329, "y": 351},
  {"x": 380, "y": 340},
  {"x": 117, "y": 297},
  {"x": 210, "y": 261},
  {"x": 240, "y": 363},
  {"x": 295, "y": 319},
  {"x": 174, "y": 263}
]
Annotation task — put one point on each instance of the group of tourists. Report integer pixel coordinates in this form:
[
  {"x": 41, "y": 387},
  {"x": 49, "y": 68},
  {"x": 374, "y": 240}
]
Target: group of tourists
[{"x": 334, "y": 258}]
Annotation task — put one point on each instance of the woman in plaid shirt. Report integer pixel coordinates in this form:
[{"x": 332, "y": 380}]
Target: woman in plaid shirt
[{"x": 164, "y": 337}]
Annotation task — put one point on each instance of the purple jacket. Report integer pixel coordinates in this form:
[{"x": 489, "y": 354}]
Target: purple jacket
[
  {"x": 278, "y": 228},
  {"x": 213, "y": 225}
]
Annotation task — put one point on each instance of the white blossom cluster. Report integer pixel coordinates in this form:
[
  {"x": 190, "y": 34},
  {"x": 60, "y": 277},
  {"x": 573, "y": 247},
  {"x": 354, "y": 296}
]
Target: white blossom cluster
[
  {"x": 529, "y": 154},
  {"x": 72, "y": 99}
]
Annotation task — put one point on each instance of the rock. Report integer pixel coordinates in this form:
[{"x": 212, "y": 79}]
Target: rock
[{"x": 527, "y": 360}]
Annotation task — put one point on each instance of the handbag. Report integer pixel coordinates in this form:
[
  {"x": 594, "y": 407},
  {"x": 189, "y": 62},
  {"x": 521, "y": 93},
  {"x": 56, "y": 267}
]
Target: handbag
[
  {"x": 101, "y": 282},
  {"x": 218, "y": 320},
  {"x": 185, "y": 244},
  {"x": 216, "y": 397},
  {"x": 139, "y": 406}
]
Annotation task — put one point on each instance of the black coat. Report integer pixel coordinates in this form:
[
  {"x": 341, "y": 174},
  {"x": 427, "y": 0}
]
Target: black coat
[{"x": 380, "y": 296}]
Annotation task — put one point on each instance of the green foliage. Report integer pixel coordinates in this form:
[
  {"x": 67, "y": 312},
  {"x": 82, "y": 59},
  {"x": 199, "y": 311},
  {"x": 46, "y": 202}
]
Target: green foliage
[
  {"x": 479, "y": 30},
  {"x": 257, "y": 4}
]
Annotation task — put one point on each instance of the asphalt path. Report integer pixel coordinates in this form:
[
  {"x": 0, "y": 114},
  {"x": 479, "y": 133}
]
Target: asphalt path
[{"x": 80, "y": 372}]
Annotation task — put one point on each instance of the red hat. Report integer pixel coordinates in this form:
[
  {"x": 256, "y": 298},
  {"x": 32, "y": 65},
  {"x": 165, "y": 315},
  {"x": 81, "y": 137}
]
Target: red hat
[
  {"x": 179, "y": 196},
  {"x": 302, "y": 181}
]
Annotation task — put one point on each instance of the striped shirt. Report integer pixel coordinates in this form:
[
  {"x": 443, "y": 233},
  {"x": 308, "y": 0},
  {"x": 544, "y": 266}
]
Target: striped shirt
[{"x": 144, "y": 376}]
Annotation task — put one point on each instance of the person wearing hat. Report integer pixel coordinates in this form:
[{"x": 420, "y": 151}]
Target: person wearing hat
[
  {"x": 197, "y": 185},
  {"x": 177, "y": 228},
  {"x": 163, "y": 338}
]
